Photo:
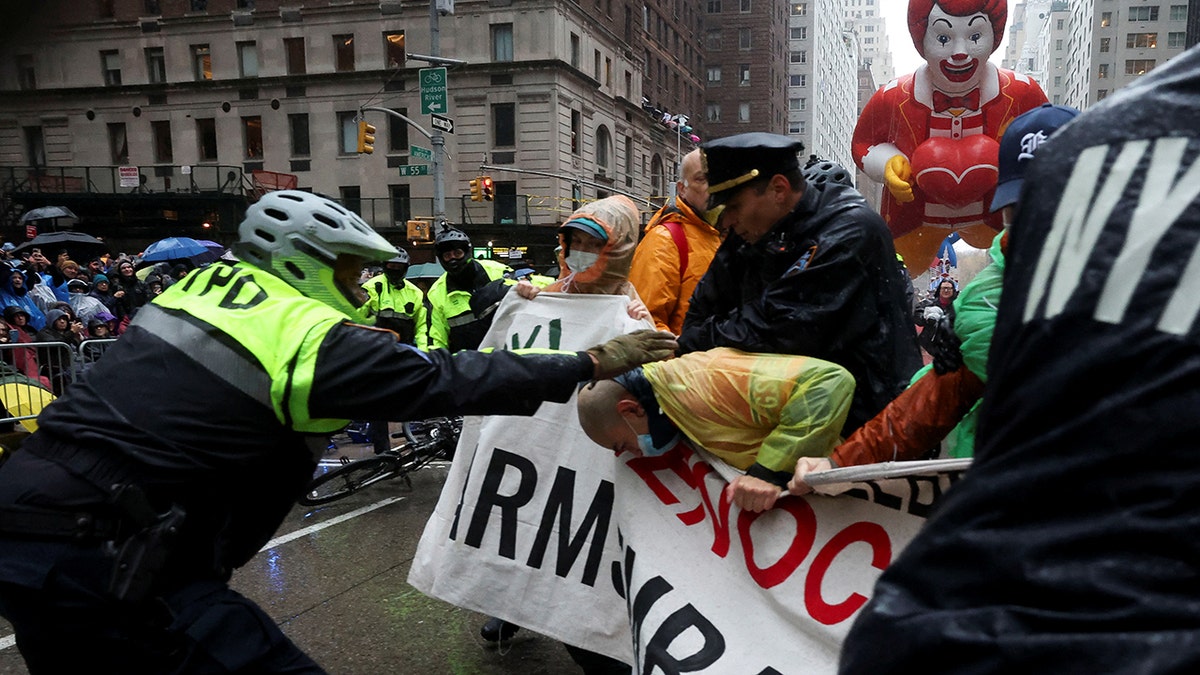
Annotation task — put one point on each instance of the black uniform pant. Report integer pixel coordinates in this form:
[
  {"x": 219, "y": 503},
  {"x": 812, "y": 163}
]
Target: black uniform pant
[{"x": 70, "y": 625}]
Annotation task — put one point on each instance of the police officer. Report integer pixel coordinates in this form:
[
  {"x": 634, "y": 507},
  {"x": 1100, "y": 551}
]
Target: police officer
[
  {"x": 123, "y": 517},
  {"x": 452, "y": 323},
  {"x": 395, "y": 303}
]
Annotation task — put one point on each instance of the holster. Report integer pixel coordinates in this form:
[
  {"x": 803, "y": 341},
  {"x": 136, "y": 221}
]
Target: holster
[{"x": 140, "y": 557}]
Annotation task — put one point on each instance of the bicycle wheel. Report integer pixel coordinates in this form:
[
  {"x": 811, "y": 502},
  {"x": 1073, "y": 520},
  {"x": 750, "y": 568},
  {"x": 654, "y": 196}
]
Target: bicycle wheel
[{"x": 343, "y": 480}]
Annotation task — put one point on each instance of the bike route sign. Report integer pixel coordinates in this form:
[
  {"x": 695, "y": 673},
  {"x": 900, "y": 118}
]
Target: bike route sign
[{"x": 433, "y": 90}]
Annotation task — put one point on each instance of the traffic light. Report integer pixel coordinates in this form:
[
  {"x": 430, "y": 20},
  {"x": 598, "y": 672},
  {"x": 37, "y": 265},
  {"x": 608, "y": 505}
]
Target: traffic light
[
  {"x": 366, "y": 137},
  {"x": 476, "y": 190},
  {"x": 489, "y": 188}
]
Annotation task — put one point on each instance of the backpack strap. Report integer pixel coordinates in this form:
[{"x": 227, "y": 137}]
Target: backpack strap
[{"x": 676, "y": 230}]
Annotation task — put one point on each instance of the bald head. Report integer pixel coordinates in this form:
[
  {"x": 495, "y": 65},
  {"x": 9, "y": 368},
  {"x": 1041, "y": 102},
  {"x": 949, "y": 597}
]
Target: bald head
[
  {"x": 693, "y": 186},
  {"x": 602, "y": 407}
]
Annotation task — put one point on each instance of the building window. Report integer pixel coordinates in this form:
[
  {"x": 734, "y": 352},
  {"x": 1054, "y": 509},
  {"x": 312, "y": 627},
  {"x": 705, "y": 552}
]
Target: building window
[
  {"x": 604, "y": 151},
  {"x": 199, "y": 5},
  {"x": 35, "y": 146},
  {"x": 504, "y": 125},
  {"x": 798, "y": 56},
  {"x": 110, "y": 64},
  {"x": 799, "y": 9},
  {"x": 253, "y": 136},
  {"x": 797, "y": 80},
  {"x": 1060, "y": 24},
  {"x": 744, "y": 75},
  {"x": 26, "y": 75},
  {"x": 348, "y": 124},
  {"x": 298, "y": 130},
  {"x": 153, "y": 7},
  {"x": 799, "y": 32},
  {"x": 156, "y": 65},
  {"x": 107, "y": 8},
  {"x": 351, "y": 198},
  {"x": 201, "y": 63},
  {"x": 1145, "y": 13},
  {"x": 714, "y": 6},
  {"x": 1102, "y": 72},
  {"x": 596, "y": 65},
  {"x": 797, "y": 104},
  {"x": 628, "y": 161},
  {"x": 398, "y": 132},
  {"x": 745, "y": 38},
  {"x": 1105, "y": 44},
  {"x": 575, "y": 51},
  {"x": 1179, "y": 12},
  {"x": 245, "y": 4},
  {"x": 160, "y": 133},
  {"x": 743, "y": 112},
  {"x": 714, "y": 74},
  {"x": 712, "y": 39},
  {"x": 1101, "y": 94},
  {"x": 247, "y": 59},
  {"x": 296, "y": 63},
  {"x": 502, "y": 42},
  {"x": 206, "y": 134},
  {"x": 712, "y": 112},
  {"x": 1105, "y": 19},
  {"x": 1058, "y": 45},
  {"x": 744, "y": 7},
  {"x": 1138, "y": 66},
  {"x": 401, "y": 204},
  {"x": 343, "y": 53},
  {"x": 576, "y": 132},
  {"x": 1141, "y": 41},
  {"x": 1177, "y": 39},
  {"x": 118, "y": 143},
  {"x": 656, "y": 175},
  {"x": 393, "y": 48}
]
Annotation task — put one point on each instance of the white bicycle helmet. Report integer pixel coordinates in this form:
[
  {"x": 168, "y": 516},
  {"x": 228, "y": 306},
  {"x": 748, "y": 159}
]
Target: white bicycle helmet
[{"x": 297, "y": 236}]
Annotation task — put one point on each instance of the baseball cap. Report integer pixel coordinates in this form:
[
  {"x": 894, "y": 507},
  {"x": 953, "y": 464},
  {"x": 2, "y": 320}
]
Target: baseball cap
[{"x": 1020, "y": 142}]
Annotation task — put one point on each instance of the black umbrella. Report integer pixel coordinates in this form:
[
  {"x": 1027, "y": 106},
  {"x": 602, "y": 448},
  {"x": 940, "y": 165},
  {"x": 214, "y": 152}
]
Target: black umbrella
[
  {"x": 77, "y": 244},
  {"x": 46, "y": 213}
]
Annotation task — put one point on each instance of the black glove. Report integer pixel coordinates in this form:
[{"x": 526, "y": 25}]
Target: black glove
[
  {"x": 629, "y": 351},
  {"x": 945, "y": 347}
]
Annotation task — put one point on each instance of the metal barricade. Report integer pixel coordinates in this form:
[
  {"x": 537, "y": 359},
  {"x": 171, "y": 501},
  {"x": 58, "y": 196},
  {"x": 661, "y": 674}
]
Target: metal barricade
[{"x": 33, "y": 373}]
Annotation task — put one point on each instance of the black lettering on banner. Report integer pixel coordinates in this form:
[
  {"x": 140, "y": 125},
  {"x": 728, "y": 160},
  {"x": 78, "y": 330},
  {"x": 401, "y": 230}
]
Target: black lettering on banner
[
  {"x": 915, "y": 505},
  {"x": 490, "y": 497},
  {"x": 677, "y": 624},
  {"x": 559, "y": 505}
]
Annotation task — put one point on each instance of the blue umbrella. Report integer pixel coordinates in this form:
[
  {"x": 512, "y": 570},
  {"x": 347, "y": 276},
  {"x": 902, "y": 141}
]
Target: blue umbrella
[{"x": 173, "y": 248}]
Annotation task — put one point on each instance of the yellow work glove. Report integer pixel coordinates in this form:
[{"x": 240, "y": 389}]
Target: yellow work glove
[
  {"x": 896, "y": 175},
  {"x": 626, "y": 352}
]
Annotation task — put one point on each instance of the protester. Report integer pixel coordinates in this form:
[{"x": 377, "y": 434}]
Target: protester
[
  {"x": 802, "y": 271},
  {"x": 944, "y": 396},
  {"x": 135, "y": 507},
  {"x": 1070, "y": 545},
  {"x": 598, "y": 241},
  {"x": 758, "y": 412},
  {"x": 452, "y": 323},
  {"x": 677, "y": 248}
]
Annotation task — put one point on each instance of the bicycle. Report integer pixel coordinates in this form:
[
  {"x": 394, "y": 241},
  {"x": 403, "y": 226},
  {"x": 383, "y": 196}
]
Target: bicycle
[{"x": 425, "y": 442}]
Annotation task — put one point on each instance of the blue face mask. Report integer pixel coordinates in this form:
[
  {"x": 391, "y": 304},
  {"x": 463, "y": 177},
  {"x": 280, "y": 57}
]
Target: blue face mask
[{"x": 646, "y": 442}]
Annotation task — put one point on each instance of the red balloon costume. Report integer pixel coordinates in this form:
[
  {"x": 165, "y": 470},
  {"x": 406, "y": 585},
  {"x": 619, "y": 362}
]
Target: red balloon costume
[{"x": 931, "y": 137}]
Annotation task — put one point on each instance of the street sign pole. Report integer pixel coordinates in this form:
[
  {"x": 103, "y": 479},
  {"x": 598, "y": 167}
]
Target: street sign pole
[{"x": 439, "y": 143}]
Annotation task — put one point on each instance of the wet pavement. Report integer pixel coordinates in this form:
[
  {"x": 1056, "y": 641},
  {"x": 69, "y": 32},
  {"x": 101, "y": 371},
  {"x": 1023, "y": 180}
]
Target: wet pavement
[{"x": 340, "y": 592}]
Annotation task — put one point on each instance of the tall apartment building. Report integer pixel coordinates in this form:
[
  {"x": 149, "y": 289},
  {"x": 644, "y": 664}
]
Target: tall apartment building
[
  {"x": 192, "y": 96},
  {"x": 822, "y": 93},
  {"x": 745, "y": 55},
  {"x": 863, "y": 17},
  {"x": 1083, "y": 50}
]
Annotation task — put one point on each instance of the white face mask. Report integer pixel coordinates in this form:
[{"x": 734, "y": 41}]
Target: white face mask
[{"x": 580, "y": 261}]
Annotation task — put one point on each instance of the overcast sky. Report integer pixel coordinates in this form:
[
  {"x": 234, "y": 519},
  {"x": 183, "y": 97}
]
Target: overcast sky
[{"x": 904, "y": 54}]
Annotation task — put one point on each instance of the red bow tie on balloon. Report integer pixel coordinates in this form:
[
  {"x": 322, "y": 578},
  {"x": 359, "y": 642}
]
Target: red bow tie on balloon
[{"x": 942, "y": 102}]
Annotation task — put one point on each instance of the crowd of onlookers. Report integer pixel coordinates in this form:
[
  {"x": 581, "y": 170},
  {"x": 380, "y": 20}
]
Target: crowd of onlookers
[{"x": 62, "y": 301}]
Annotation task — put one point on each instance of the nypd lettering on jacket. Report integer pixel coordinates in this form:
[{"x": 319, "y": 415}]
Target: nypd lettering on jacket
[{"x": 1161, "y": 179}]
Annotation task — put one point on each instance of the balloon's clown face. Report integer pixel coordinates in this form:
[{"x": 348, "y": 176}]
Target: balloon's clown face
[{"x": 956, "y": 47}]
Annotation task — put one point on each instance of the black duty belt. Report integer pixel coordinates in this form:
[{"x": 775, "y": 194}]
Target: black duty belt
[{"x": 18, "y": 520}]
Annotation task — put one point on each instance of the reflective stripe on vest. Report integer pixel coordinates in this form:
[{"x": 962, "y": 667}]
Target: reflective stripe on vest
[{"x": 274, "y": 322}]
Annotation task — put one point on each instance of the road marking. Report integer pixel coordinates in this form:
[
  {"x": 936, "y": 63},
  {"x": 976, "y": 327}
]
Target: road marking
[
  {"x": 10, "y": 640},
  {"x": 304, "y": 532}
]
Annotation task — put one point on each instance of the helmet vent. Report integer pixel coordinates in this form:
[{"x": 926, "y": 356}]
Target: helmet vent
[
  {"x": 326, "y": 220},
  {"x": 284, "y": 195},
  {"x": 294, "y": 270},
  {"x": 276, "y": 214},
  {"x": 263, "y": 234}
]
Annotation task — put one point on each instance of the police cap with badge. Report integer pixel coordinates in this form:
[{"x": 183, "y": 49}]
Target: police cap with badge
[{"x": 735, "y": 161}]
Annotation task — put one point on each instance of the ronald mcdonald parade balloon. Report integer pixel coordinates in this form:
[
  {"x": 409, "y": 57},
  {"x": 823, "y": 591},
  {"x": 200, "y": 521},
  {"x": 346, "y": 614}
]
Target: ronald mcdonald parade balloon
[{"x": 932, "y": 136}]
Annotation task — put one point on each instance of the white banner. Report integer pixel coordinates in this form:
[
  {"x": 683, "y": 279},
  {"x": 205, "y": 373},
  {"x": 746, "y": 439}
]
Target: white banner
[{"x": 641, "y": 558}]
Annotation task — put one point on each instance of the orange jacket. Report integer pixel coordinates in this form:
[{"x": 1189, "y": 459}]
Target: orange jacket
[{"x": 655, "y": 273}]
